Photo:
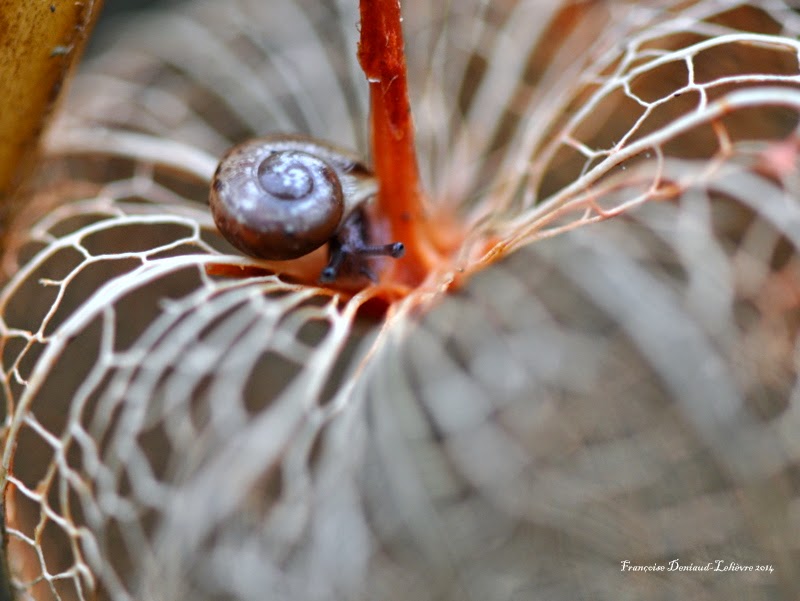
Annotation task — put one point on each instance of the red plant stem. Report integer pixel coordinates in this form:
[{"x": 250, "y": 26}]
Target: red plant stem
[{"x": 400, "y": 200}]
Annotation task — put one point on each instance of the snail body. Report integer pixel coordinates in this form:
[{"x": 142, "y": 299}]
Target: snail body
[{"x": 283, "y": 196}]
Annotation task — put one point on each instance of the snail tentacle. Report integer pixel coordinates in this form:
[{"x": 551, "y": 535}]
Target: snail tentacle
[{"x": 350, "y": 248}]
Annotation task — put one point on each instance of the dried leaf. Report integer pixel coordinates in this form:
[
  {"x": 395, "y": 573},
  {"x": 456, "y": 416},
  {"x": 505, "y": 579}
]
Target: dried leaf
[{"x": 599, "y": 390}]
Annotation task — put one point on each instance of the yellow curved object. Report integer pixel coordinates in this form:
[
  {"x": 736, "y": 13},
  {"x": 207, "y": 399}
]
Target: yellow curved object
[{"x": 40, "y": 42}]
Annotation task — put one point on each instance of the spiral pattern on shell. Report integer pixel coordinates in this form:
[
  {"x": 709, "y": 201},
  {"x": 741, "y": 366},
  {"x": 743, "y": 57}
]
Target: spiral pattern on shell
[{"x": 279, "y": 197}]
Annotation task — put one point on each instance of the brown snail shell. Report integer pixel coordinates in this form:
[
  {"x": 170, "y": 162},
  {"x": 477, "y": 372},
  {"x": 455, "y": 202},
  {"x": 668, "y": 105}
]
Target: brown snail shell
[{"x": 282, "y": 196}]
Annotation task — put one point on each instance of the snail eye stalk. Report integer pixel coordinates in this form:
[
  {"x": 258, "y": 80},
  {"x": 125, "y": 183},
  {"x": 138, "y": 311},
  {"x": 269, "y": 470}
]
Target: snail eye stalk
[{"x": 349, "y": 250}]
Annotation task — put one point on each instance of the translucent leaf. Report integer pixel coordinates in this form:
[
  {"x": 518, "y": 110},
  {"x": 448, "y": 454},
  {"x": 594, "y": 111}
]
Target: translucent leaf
[{"x": 611, "y": 390}]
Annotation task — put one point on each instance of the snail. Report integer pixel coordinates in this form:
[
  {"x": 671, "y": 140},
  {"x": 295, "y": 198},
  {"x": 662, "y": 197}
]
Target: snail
[{"x": 280, "y": 197}]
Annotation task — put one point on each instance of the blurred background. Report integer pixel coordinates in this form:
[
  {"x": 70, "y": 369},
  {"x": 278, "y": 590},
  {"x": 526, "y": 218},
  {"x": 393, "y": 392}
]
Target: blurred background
[{"x": 614, "y": 389}]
